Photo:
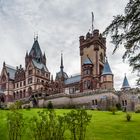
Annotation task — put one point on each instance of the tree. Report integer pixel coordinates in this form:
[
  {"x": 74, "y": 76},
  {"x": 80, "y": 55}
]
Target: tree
[{"x": 125, "y": 30}]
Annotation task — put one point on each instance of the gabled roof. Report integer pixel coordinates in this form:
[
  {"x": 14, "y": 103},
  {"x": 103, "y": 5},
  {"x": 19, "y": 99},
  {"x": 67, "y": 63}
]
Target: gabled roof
[
  {"x": 35, "y": 50},
  {"x": 11, "y": 70},
  {"x": 87, "y": 61},
  {"x": 107, "y": 69},
  {"x": 73, "y": 79},
  {"x": 125, "y": 83},
  {"x": 39, "y": 65}
]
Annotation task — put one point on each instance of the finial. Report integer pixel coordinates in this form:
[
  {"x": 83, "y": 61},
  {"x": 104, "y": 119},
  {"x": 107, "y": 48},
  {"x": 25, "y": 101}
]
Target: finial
[
  {"x": 35, "y": 36},
  {"x": 61, "y": 67}
]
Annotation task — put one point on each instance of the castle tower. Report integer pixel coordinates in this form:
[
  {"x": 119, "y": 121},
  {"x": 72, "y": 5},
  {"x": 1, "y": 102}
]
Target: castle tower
[
  {"x": 61, "y": 75},
  {"x": 107, "y": 77},
  {"x": 87, "y": 77},
  {"x": 125, "y": 85},
  {"x": 93, "y": 45}
]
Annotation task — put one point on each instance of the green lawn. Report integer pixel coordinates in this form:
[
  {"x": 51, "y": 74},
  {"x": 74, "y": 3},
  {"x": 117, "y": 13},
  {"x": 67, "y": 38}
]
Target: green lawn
[{"x": 103, "y": 126}]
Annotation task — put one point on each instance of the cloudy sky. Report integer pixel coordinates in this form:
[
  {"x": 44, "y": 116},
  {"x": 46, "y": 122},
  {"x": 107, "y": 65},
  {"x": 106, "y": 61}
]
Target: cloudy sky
[{"x": 59, "y": 23}]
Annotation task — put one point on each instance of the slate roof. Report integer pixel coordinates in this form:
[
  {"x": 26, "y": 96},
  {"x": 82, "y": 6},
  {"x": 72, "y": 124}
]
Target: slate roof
[
  {"x": 60, "y": 74},
  {"x": 1, "y": 91},
  {"x": 125, "y": 83},
  {"x": 35, "y": 50},
  {"x": 11, "y": 70},
  {"x": 107, "y": 69},
  {"x": 73, "y": 79},
  {"x": 39, "y": 65},
  {"x": 87, "y": 61}
]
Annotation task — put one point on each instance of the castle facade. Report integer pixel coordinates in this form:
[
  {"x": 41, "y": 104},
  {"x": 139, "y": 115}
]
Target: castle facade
[{"x": 34, "y": 82}]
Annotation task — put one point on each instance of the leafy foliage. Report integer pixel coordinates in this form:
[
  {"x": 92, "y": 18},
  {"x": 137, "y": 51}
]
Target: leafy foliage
[
  {"x": 50, "y": 105},
  {"x": 15, "y": 124},
  {"x": 47, "y": 125},
  {"x": 128, "y": 117},
  {"x": 125, "y": 30}
]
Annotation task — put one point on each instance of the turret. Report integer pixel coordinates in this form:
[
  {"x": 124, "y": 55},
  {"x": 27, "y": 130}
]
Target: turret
[
  {"x": 125, "y": 85},
  {"x": 61, "y": 75},
  {"x": 107, "y": 77},
  {"x": 87, "y": 75}
]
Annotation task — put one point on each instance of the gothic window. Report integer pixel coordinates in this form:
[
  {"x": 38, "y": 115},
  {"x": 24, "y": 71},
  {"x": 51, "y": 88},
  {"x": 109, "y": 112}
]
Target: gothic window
[
  {"x": 101, "y": 57},
  {"x": 20, "y": 84},
  {"x": 20, "y": 94},
  {"x": 29, "y": 80},
  {"x": 47, "y": 75},
  {"x": 3, "y": 78},
  {"x": 24, "y": 93},
  {"x": 125, "y": 102},
  {"x": 17, "y": 95},
  {"x": 14, "y": 95},
  {"x": 38, "y": 80},
  {"x": 85, "y": 84},
  {"x": 17, "y": 85},
  {"x": 30, "y": 71},
  {"x": 96, "y": 102},
  {"x": 88, "y": 84},
  {"x": 24, "y": 83},
  {"x": 29, "y": 90}
]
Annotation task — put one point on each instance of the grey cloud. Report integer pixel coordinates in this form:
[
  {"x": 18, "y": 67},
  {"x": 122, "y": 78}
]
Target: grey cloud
[{"x": 59, "y": 24}]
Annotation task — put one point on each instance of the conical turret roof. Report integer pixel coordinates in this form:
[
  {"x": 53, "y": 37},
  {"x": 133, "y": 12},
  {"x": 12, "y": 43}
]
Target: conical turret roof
[
  {"x": 107, "y": 69},
  {"x": 125, "y": 83}
]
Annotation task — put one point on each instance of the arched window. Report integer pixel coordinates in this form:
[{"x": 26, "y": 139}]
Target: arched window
[
  {"x": 29, "y": 90},
  {"x": 24, "y": 93},
  {"x": 17, "y": 95},
  {"x": 20, "y": 94},
  {"x": 14, "y": 95},
  {"x": 101, "y": 57}
]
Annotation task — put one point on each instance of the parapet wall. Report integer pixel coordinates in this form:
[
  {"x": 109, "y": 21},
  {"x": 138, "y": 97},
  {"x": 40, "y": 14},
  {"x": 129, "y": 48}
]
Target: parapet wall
[{"x": 79, "y": 99}]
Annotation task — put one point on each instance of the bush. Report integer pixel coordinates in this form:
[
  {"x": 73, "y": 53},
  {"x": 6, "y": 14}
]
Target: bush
[
  {"x": 137, "y": 109},
  {"x": 50, "y": 105},
  {"x": 113, "y": 109},
  {"x": 128, "y": 117},
  {"x": 118, "y": 106}
]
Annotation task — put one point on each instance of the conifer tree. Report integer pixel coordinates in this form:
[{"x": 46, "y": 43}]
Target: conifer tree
[{"x": 125, "y": 31}]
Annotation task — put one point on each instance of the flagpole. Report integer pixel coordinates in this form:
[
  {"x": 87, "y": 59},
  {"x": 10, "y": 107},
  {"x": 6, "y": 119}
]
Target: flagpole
[{"x": 92, "y": 21}]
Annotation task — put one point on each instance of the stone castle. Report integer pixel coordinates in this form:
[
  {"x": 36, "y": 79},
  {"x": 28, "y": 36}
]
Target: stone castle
[{"x": 93, "y": 87}]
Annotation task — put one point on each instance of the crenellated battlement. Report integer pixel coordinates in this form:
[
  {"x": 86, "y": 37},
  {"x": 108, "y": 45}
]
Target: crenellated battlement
[{"x": 92, "y": 37}]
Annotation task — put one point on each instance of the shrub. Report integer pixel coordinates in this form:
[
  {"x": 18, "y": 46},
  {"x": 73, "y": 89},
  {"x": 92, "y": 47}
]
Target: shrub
[
  {"x": 128, "y": 117},
  {"x": 113, "y": 109},
  {"x": 50, "y": 105},
  {"x": 137, "y": 109},
  {"x": 15, "y": 124},
  {"x": 118, "y": 106}
]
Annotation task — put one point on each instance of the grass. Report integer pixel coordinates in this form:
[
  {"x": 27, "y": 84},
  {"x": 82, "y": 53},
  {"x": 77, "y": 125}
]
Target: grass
[{"x": 103, "y": 126}]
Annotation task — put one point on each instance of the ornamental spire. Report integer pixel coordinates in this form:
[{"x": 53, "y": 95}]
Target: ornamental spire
[{"x": 61, "y": 66}]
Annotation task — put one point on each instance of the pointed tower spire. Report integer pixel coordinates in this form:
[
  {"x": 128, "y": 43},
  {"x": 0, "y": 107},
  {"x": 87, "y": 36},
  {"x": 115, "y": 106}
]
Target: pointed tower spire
[
  {"x": 107, "y": 69},
  {"x": 125, "y": 84},
  {"x": 61, "y": 66}
]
